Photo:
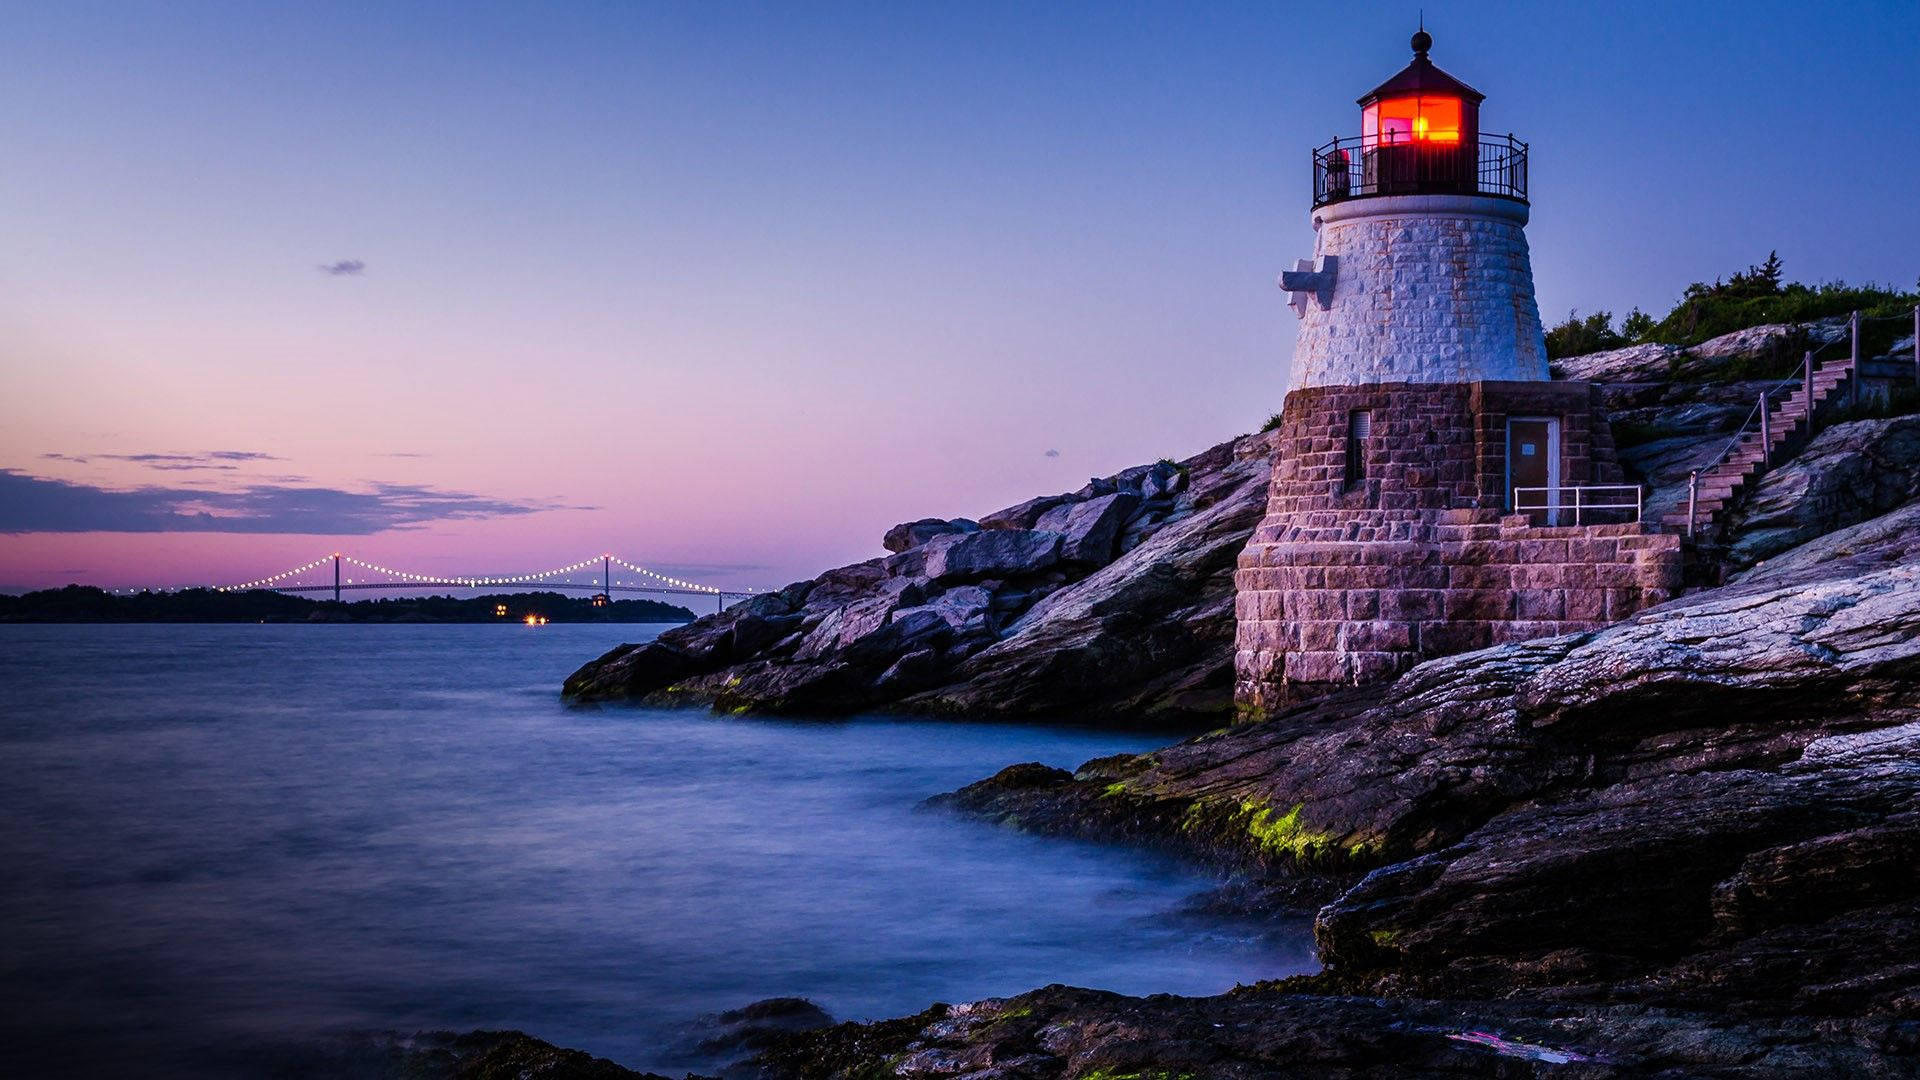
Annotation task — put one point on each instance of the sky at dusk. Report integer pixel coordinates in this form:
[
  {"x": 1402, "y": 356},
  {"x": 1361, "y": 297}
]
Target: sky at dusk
[{"x": 729, "y": 289}]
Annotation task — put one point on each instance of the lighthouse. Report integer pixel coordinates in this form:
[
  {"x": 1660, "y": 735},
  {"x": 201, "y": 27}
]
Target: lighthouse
[{"x": 1434, "y": 490}]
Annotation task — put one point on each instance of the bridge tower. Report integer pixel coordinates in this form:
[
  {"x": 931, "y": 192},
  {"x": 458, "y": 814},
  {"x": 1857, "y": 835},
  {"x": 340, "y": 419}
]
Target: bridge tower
[{"x": 1426, "y": 467}]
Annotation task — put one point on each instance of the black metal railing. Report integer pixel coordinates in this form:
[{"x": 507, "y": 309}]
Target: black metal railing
[{"x": 1368, "y": 166}]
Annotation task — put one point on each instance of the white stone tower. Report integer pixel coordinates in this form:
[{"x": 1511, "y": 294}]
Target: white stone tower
[
  {"x": 1425, "y": 458},
  {"x": 1418, "y": 229}
]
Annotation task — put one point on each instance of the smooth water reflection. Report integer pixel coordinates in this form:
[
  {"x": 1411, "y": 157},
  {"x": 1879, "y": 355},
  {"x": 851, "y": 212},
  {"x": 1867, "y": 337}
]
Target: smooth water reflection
[{"x": 219, "y": 832}]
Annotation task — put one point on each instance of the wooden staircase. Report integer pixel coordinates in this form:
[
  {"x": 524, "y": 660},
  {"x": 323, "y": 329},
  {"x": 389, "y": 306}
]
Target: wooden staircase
[{"x": 1784, "y": 424}]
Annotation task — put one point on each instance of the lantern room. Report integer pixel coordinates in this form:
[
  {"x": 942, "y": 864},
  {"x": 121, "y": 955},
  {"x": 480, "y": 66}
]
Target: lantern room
[
  {"x": 1421, "y": 106},
  {"x": 1420, "y": 134}
]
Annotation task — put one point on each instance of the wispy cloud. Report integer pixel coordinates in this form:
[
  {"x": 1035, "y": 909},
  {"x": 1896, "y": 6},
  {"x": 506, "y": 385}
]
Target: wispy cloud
[
  {"x": 40, "y": 504},
  {"x": 1053, "y": 453},
  {"x": 344, "y": 268},
  {"x": 218, "y": 460}
]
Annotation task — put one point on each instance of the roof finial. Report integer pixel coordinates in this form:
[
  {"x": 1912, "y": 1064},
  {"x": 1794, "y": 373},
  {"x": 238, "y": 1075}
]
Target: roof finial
[{"x": 1422, "y": 41}]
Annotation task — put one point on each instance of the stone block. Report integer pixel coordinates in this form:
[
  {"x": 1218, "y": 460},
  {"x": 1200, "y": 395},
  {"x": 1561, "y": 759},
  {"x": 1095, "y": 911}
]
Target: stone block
[
  {"x": 1540, "y": 604},
  {"x": 1449, "y": 638},
  {"x": 1362, "y": 604},
  {"x": 1586, "y": 605},
  {"x": 1413, "y": 605},
  {"x": 1318, "y": 667},
  {"x": 1378, "y": 637}
]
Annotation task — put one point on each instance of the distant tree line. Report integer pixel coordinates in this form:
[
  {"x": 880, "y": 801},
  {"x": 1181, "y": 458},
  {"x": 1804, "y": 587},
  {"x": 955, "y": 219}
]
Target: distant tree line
[
  {"x": 84, "y": 603},
  {"x": 1755, "y": 296}
]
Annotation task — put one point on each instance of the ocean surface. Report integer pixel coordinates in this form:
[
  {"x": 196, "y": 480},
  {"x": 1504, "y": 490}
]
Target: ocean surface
[{"x": 221, "y": 837}]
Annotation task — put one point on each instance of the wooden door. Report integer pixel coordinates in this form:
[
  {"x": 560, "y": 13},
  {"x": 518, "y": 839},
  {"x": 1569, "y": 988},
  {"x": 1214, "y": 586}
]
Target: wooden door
[{"x": 1531, "y": 450}]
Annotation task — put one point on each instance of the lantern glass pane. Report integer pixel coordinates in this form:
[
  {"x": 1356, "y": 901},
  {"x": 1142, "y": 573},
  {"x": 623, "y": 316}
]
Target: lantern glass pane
[{"x": 1414, "y": 119}]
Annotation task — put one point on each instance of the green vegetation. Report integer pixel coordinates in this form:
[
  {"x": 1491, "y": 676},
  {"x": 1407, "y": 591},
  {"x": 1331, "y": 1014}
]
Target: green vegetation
[
  {"x": 85, "y": 604},
  {"x": 1272, "y": 834},
  {"x": 1272, "y": 424},
  {"x": 1284, "y": 835},
  {"x": 1595, "y": 333},
  {"x": 1756, "y": 296}
]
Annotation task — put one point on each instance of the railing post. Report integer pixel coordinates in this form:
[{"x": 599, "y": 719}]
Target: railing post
[
  {"x": 1806, "y": 389},
  {"x": 1853, "y": 378},
  {"x": 1693, "y": 498},
  {"x": 1766, "y": 433}
]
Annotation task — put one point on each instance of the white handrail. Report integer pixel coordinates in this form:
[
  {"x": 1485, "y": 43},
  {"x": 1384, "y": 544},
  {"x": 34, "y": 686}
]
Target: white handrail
[{"x": 1553, "y": 503}]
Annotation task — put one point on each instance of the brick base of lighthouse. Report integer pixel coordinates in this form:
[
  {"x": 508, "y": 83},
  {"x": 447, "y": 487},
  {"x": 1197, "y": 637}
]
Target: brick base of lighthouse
[{"x": 1379, "y": 552}]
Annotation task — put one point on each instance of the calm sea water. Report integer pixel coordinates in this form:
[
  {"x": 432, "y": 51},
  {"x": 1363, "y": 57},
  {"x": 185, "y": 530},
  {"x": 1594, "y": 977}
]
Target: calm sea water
[{"x": 217, "y": 834}]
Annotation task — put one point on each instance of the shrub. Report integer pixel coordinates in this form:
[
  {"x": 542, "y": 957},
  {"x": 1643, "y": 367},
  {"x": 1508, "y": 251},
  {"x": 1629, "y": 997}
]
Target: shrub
[
  {"x": 1577, "y": 336},
  {"x": 1272, "y": 424},
  {"x": 1756, "y": 296}
]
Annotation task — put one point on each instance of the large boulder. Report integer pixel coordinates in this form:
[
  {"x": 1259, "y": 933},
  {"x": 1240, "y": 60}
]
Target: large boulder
[
  {"x": 1089, "y": 529},
  {"x": 1847, "y": 474},
  {"x": 1743, "y": 354},
  {"x": 1634, "y": 363},
  {"x": 994, "y": 553},
  {"x": 1892, "y": 539},
  {"x": 1024, "y": 515},
  {"x": 1638, "y": 877},
  {"x": 912, "y": 534}
]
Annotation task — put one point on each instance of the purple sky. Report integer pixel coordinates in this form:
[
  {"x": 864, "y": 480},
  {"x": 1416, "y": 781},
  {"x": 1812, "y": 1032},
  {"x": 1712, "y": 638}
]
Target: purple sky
[{"x": 729, "y": 289}]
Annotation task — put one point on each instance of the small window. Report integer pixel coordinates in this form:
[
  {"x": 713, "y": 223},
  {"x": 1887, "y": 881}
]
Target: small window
[{"x": 1359, "y": 427}]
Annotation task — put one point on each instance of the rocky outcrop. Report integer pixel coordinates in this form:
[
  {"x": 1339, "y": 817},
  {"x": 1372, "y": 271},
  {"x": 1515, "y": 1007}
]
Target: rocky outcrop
[
  {"x": 1849, "y": 473},
  {"x": 1728, "y": 357},
  {"x": 1891, "y": 539},
  {"x": 1420, "y": 764},
  {"x": 1712, "y": 808},
  {"x": 1657, "y": 889},
  {"x": 1259, "y": 1033},
  {"x": 427, "y": 1055},
  {"x": 914, "y": 533},
  {"x": 1115, "y": 600}
]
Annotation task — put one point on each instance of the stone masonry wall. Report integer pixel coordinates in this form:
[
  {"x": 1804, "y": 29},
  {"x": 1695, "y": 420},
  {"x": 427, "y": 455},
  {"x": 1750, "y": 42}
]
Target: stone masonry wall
[
  {"x": 1345, "y": 584},
  {"x": 1429, "y": 289}
]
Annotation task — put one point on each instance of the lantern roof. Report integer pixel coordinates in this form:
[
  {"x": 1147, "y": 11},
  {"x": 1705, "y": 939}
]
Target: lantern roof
[{"x": 1422, "y": 78}]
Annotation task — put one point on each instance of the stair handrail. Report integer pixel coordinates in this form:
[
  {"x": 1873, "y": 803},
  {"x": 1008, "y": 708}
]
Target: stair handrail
[{"x": 1802, "y": 374}]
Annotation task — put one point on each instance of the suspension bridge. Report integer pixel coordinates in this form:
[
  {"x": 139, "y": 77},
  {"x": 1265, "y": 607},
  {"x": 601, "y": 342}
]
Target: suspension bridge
[{"x": 350, "y": 574}]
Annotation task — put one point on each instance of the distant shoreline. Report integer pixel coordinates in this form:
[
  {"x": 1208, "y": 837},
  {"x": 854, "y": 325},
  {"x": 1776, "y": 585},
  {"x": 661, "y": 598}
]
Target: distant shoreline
[{"x": 86, "y": 604}]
